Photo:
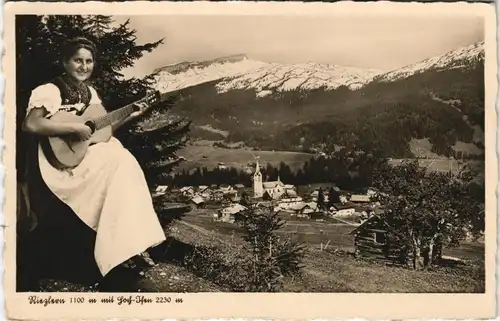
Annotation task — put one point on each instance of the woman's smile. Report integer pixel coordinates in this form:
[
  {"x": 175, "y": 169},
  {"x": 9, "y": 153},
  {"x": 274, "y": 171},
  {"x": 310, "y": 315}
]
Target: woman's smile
[{"x": 80, "y": 65}]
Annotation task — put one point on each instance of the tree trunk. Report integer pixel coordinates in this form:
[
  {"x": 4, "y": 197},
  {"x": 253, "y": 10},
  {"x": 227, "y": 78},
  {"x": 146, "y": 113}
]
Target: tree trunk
[
  {"x": 437, "y": 252},
  {"x": 428, "y": 255},
  {"x": 418, "y": 261}
]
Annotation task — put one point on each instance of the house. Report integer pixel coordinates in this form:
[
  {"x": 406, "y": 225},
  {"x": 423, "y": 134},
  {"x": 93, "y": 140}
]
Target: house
[
  {"x": 289, "y": 193},
  {"x": 306, "y": 209},
  {"x": 228, "y": 214},
  {"x": 289, "y": 206},
  {"x": 216, "y": 195},
  {"x": 201, "y": 188},
  {"x": 239, "y": 186},
  {"x": 227, "y": 189},
  {"x": 205, "y": 192},
  {"x": 372, "y": 191},
  {"x": 160, "y": 190},
  {"x": 315, "y": 194},
  {"x": 289, "y": 201},
  {"x": 370, "y": 238},
  {"x": 221, "y": 165},
  {"x": 198, "y": 201},
  {"x": 360, "y": 198},
  {"x": 187, "y": 191},
  {"x": 339, "y": 209},
  {"x": 310, "y": 213}
]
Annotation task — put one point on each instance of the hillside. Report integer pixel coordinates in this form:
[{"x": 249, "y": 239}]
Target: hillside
[{"x": 308, "y": 106}]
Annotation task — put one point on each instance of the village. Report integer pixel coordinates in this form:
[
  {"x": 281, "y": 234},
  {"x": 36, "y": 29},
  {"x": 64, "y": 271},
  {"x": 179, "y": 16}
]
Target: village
[
  {"x": 353, "y": 215},
  {"x": 302, "y": 202}
]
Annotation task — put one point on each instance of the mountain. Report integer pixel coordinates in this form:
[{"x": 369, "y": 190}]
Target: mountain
[
  {"x": 239, "y": 72},
  {"x": 306, "y": 76},
  {"x": 454, "y": 59},
  {"x": 191, "y": 73},
  {"x": 311, "y": 106}
]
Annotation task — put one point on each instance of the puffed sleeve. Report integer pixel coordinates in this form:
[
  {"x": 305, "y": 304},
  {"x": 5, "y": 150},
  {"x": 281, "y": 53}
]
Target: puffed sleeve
[
  {"x": 94, "y": 98},
  {"x": 45, "y": 96}
]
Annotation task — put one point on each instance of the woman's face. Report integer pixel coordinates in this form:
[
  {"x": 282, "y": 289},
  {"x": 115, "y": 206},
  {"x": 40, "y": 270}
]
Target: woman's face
[{"x": 80, "y": 65}]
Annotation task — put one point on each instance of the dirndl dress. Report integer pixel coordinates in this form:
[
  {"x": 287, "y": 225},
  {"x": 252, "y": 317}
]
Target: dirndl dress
[{"x": 107, "y": 190}]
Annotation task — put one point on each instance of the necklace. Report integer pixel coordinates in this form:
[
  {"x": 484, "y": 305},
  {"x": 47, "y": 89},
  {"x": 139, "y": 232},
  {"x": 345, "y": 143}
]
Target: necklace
[{"x": 75, "y": 92}]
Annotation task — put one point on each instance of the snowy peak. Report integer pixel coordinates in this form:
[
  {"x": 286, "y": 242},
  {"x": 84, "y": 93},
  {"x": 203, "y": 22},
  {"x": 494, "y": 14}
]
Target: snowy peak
[
  {"x": 188, "y": 74},
  {"x": 458, "y": 58},
  {"x": 186, "y": 65},
  {"x": 305, "y": 76},
  {"x": 238, "y": 72}
]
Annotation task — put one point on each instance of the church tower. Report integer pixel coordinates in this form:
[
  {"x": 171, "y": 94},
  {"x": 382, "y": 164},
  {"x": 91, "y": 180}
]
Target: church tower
[{"x": 258, "y": 189}]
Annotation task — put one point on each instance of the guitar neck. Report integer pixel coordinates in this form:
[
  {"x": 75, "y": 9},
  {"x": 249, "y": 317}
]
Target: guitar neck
[{"x": 114, "y": 116}]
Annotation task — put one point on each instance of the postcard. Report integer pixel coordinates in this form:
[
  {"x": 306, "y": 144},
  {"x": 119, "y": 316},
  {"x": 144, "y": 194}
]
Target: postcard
[{"x": 252, "y": 160}]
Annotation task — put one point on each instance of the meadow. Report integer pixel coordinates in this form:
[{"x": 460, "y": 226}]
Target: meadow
[
  {"x": 328, "y": 266},
  {"x": 203, "y": 154},
  {"x": 333, "y": 268}
]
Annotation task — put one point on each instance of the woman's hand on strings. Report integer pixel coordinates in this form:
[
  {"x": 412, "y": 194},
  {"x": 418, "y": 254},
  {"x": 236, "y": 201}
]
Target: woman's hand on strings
[{"x": 82, "y": 131}]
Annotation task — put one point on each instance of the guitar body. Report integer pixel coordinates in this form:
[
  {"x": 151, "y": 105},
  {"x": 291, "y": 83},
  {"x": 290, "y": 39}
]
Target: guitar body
[
  {"x": 67, "y": 151},
  {"x": 64, "y": 152}
]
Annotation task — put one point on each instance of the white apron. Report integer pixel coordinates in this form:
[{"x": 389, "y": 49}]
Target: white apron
[{"x": 107, "y": 191}]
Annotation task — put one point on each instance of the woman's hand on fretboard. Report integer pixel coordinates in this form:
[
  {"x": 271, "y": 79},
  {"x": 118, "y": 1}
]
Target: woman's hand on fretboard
[{"x": 143, "y": 106}]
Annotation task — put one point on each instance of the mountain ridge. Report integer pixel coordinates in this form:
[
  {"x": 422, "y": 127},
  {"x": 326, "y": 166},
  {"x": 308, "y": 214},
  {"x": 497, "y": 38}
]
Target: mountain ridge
[
  {"x": 268, "y": 111},
  {"x": 239, "y": 72}
]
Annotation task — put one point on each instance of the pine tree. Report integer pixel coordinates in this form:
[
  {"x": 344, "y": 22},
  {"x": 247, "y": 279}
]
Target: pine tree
[
  {"x": 155, "y": 137},
  {"x": 333, "y": 197},
  {"x": 99, "y": 25},
  {"x": 321, "y": 198}
]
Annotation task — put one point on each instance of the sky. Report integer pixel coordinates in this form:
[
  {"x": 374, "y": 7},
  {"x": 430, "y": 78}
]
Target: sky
[{"x": 377, "y": 43}]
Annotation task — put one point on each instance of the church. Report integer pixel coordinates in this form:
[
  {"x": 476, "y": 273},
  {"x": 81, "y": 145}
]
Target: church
[{"x": 272, "y": 190}]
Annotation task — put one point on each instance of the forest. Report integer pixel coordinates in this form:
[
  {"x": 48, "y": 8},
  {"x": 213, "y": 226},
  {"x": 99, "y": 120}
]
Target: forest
[
  {"x": 381, "y": 116},
  {"x": 348, "y": 171}
]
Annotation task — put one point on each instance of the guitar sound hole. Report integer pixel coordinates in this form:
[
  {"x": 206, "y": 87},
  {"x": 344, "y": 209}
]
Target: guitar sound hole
[{"x": 91, "y": 125}]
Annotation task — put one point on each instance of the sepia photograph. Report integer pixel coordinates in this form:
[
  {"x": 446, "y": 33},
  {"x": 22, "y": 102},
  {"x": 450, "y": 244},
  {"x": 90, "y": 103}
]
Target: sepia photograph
[{"x": 195, "y": 152}]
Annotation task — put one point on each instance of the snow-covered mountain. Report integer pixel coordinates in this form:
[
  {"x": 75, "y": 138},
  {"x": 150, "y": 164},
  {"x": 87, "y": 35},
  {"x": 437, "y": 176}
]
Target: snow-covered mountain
[
  {"x": 188, "y": 74},
  {"x": 458, "y": 58},
  {"x": 239, "y": 72},
  {"x": 306, "y": 76}
]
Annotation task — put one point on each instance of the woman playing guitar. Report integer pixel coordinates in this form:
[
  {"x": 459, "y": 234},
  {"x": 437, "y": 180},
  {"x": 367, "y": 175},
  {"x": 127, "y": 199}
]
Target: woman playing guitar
[{"x": 107, "y": 190}]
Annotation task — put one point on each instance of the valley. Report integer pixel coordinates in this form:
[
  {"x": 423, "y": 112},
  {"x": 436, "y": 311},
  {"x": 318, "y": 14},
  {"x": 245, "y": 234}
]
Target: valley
[{"x": 203, "y": 154}]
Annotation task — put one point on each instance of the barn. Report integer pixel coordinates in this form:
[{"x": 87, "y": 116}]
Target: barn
[{"x": 371, "y": 240}]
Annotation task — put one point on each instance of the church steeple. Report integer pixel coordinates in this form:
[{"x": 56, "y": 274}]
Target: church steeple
[{"x": 258, "y": 189}]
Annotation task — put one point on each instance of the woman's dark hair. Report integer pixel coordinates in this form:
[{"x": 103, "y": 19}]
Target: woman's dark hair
[{"x": 73, "y": 45}]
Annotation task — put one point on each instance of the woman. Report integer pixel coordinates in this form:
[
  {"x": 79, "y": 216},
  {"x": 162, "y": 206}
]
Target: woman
[{"x": 107, "y": 190}]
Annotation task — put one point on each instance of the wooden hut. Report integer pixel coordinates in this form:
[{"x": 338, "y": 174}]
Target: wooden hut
[{"x": 370, "y": 240}]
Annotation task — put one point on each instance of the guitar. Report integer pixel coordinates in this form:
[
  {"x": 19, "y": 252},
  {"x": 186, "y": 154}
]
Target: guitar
[{"x": 67, "y": 151}]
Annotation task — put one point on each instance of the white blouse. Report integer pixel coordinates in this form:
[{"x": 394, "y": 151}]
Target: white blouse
[{"x": 49, "y": 96}]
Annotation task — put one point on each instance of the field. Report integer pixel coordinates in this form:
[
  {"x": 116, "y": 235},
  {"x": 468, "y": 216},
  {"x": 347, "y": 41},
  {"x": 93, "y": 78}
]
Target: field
[
  {"x": 203, "y": 154},
  {"x": 334, "y": 270},
  {"x": 328, "y": 265}
]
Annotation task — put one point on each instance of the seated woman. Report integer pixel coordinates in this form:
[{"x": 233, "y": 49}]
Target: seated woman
[{"x": 107, "y": 190}]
